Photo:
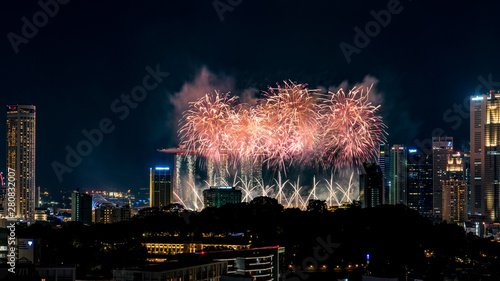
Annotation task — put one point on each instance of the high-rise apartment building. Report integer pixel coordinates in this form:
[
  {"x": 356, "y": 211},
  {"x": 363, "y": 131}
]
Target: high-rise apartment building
[
  {"x": 485, "y": 155},
  {"x": 81, "y": 207},
  {"x": 419, "y": 182},
  {"x": 454, "y": 200},
  {"x": 160, "y": 187},
  {"x": 442, "y": 148},
  {"x": 21, "y": 135}
]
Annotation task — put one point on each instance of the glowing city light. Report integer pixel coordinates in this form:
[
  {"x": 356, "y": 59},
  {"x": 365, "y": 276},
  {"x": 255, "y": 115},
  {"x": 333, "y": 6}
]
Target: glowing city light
[{"x": 162, "y": 168}]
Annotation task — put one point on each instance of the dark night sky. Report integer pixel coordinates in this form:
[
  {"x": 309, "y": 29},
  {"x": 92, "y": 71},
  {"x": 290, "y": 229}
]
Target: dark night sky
[{"x": 427, "y": 59}]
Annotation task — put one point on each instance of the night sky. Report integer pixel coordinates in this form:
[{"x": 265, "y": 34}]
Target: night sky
[{"x": 426, "y": 61}]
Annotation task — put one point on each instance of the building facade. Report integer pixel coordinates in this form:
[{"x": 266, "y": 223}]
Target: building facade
[
  {"x": 442, "y": 148},
  {"x": 384, "y": 163},
  {"x": 397, "y": 176},
  {"x": 81, "y": 207},
  {"x": 218, "y": 171},
  {"x": 193, "y": 270},
  {"x": 485, "y": 155},
  {"x": 420, "y": 180},
  {"x": 109, "y": 213},
  {"x": 217, "y": 196},
  {"x": 371, "y": 184},
  {"x": 454, "y": 200},
  {"x": 21, "y": 136},
  {"x": 160, "y": 187}
]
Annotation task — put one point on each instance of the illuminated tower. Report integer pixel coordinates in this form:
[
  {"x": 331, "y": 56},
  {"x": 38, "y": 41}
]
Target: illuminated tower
[
  {"x": 485, "y": 155},
  {"x": 454, "y": 200},
  {"x": 218, "y": 172},
  {"x": 251, "y": 172},
  {"x": 21, "y": 156},
  {"x": 184, "y": 181},
  {"x": 383, "y": 162},
  {"x": 160, "y": 187},
  {"x": 420, "y": 180},
  {"x": 442, "y": 148},
  {"x": 397, "y": 192},
  {"x": 455, "y": 190}
]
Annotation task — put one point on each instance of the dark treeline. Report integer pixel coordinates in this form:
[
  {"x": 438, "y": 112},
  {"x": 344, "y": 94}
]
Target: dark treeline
[{"x": 400, "y": 242}]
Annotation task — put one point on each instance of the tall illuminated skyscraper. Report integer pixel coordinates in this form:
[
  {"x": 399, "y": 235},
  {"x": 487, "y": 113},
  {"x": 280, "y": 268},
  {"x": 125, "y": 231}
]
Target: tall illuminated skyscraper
[
  {"x": 21, "y": 121},
  {"x": 398, "y": 166},
  {"x": 383, "y": 162},
  {"x": 455, "y": 190},
  {"x": 454, "y": 200},
  {"x": 218, "y": 172},
  {"x": 442, "y": 148},
  {"x": 184, "y": 179},
  {"x": 251, "y": 172},
  {"x": 420, "y": 180},
  {"x": 485, "y": 155},
  {"x": 184, "y": 176},
  {"x": 160, "y": 187}
]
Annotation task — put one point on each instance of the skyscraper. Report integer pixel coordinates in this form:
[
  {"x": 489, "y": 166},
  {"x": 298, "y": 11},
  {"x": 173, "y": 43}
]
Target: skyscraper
[
  {"x": 21, "y": 133},
  {"x": 81, "y": 207},
  {"x": 485, "y": 155},
  {"x": 442, "y": 148},
  {"x": 160, "y": 187},
  {"x": 420, "y": 180},
  {"x": 251, "y": 172},
  {"x": 185, "y": 172},
  {"x": 454, "y": 190},
  {"x": 184, "y": 177},
  {"x": 397, "y": 177},
  {"x": 454, "y": 200},
  {"x": 384, "y": 163},
  {"x": 371, "y": 184},
  {"x": 218, "y": 171}
]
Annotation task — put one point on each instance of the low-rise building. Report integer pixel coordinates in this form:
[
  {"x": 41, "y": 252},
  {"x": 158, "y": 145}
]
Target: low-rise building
[
  {"x": 181, "y": 270},
  {"x": 217, "y": 196}
]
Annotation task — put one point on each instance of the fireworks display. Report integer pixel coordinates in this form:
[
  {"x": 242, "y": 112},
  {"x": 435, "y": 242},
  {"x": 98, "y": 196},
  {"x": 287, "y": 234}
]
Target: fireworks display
[
  {"x": 290, "y": 125},
  {"x": 290, "y": 194}
]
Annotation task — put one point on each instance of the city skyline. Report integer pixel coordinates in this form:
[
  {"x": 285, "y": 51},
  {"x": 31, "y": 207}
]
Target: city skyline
[
  {"x": 77, "y": 82},
  {"x": 250, "y": 140}
]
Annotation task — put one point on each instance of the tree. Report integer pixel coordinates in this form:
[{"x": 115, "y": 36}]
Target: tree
[
  {"x": 317, "y": 206},
  {"x": 266, "y": 205}
]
